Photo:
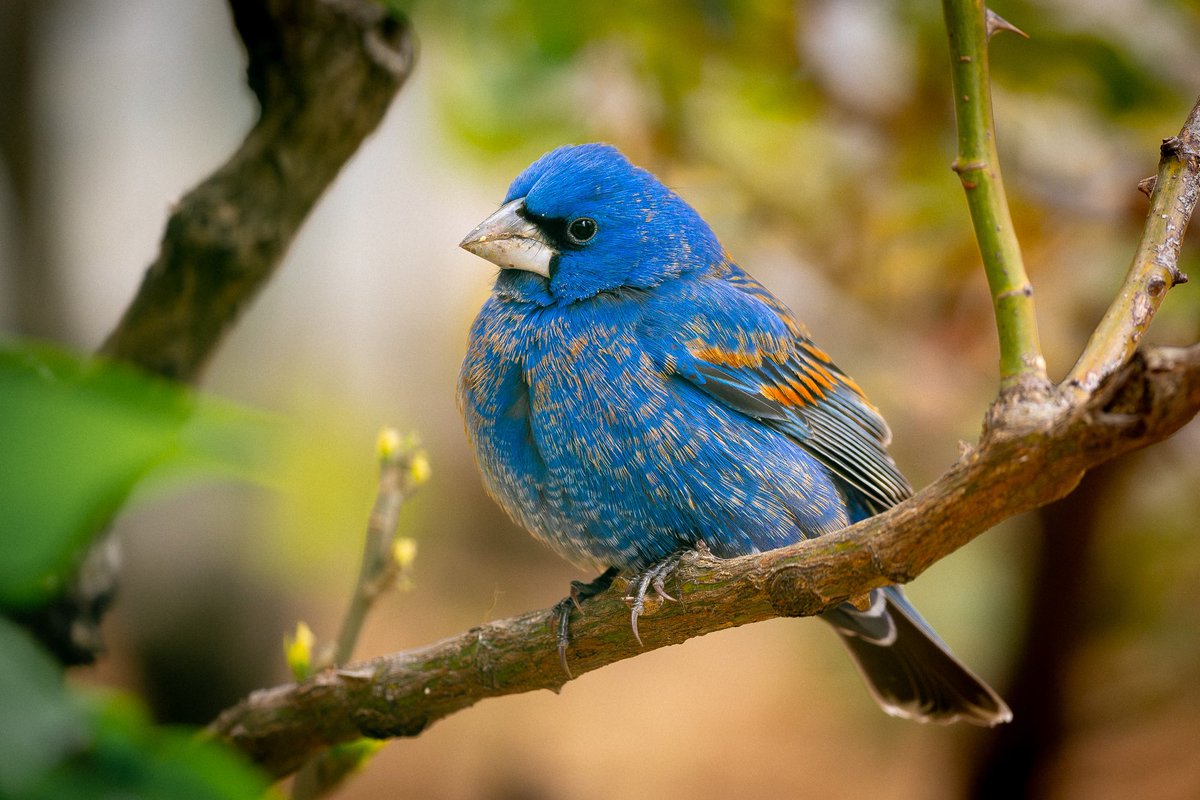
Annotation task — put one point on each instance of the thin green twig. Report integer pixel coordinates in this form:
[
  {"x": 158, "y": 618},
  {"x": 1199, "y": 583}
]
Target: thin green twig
[
  {"x": 978, "y": 167},
  {"x": 1155, "y": 266},
  {"x": 402, "y": 468}
]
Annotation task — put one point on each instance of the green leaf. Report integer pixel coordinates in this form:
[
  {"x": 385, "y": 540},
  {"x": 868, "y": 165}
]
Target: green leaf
[
  {"x": 58, "y": 745},
  {"x": 76, "y": 435},
  {"x": 40, "y": 724},
  {"x": 132, "y": 758}
]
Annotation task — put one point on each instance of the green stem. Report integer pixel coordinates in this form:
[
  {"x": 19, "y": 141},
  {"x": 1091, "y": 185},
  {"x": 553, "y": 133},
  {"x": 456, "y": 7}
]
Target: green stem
[
  {"x": 401, "y": 470},
  {"x": 1155, "y": 266},
  {"x": 978, "y": 167},
  {"x": 379, "y": 569}
]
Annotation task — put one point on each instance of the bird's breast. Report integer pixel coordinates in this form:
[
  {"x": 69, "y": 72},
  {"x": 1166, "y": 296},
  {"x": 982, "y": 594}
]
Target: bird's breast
[
  {"x": 570, "y": 418},
  {"x": 592, "y": 447}
]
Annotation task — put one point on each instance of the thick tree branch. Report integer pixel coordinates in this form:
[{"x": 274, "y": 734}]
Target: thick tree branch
[
  {"x": 1021, "y": 463},
  {"x": 324, "y": 73}
]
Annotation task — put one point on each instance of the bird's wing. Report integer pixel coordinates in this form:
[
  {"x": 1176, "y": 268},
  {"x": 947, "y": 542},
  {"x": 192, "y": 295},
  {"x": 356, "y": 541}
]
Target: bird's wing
[{"x": 742, "y": 347}]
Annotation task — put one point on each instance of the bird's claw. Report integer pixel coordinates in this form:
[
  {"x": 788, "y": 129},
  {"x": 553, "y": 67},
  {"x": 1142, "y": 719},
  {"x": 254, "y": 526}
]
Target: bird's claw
[
  {"x": 580, "y": 592},
  {"x": 562, "y": 609},
  {"x": 653, "y": 578}
]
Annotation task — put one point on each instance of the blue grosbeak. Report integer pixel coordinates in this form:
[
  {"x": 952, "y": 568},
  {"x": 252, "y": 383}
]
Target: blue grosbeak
[{"x": 630, "y": 393}]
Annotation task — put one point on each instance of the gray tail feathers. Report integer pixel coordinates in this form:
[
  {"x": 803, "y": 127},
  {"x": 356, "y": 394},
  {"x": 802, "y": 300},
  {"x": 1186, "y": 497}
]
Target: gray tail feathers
[{"x": 909, "y": 670}]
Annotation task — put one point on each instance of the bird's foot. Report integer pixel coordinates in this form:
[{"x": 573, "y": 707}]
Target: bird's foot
[
  {"x": 653, "y": 578},
  {"x": 580, "y": 591}
]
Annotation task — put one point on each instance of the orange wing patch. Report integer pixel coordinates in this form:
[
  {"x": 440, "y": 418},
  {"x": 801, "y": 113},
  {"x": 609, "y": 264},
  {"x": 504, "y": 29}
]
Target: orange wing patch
[
  {"x": 811, "y": 382},
  {"x": 820, "y": 375},
  {"x": 752, "y": 351},
  {"x": 794, "y": 392},
  {"x": 819, "y": 372},
  {"x": 727, "y": 358},
  {"x": 781, "y": 394},
  {"x": 816, "y": 352}
]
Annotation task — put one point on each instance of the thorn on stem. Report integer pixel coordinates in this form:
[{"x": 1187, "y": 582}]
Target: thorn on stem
[
  {"x": 1146, "y": 185},
  {"x": 997, "y": 23}
]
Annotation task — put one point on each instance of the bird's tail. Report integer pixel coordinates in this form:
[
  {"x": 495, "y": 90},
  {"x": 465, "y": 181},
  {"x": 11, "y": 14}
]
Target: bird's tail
[{"x": 909, "y": 670}]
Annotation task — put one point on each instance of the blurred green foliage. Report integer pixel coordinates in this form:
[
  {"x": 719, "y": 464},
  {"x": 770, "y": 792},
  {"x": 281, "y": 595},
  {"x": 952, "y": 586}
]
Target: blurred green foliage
[
  {"x": 828, "y": 122},
  {"x": 62, "y": 745},
  {"x": 78, "y": 434},
  {"x": 518, "y": 74}
]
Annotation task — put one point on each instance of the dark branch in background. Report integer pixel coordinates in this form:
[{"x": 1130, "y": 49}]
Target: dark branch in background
[
  {"x": 35, "y": 300},
  {"x": 1018, "y": 758},
  {"x": 324, "y": 73}
]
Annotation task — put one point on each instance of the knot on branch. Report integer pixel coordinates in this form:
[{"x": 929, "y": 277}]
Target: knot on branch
[
  {"x": 382, "y": 724},
  {"x": 1147, "y": 390},
  {"x": 1182, "y": 147},
  {"x": 294, "y": 49},
  {"x": 1026, "y": 405},
  {"x": 792, "y": 595},
  {"x": 392, "y": 46}
]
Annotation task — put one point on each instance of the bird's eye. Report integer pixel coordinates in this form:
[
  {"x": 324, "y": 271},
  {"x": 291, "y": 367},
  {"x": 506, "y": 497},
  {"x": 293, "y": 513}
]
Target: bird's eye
[{"x": 581, "y": 229}]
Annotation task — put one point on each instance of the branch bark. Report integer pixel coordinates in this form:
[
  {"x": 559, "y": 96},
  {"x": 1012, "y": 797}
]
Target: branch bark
[
  {"x": 324, "y": 73},
  {"x": 1155, "y": 267}
]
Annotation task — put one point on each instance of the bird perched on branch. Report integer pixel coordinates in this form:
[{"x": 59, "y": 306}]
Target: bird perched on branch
[{"x": 631, "y": 393}]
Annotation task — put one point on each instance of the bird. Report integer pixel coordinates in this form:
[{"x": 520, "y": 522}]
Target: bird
[{"x": 630, "y": 393}]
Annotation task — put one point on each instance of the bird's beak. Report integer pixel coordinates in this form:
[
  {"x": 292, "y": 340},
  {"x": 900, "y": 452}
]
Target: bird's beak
[{"x": 510, "y": 241}]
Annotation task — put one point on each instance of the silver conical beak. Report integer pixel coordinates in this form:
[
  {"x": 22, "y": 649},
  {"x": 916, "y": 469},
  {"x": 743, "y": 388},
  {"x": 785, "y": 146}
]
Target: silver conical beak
[{"x": 510, "y": 241}]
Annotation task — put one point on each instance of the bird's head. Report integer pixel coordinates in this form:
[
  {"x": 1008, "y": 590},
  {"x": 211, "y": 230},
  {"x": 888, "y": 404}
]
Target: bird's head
[{"x": 582, "y": 220}]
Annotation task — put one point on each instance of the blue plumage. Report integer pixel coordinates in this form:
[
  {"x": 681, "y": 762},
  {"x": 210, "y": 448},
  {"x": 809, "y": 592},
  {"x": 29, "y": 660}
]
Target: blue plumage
[{"x": 630, "y": 392}]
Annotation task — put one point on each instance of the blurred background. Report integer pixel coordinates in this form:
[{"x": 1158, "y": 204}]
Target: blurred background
[{"x": 816, "y": 138}]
